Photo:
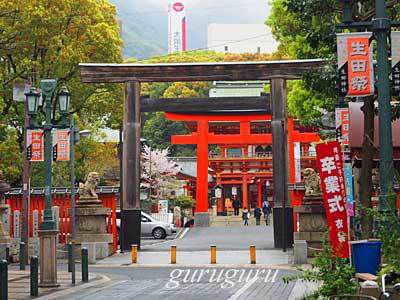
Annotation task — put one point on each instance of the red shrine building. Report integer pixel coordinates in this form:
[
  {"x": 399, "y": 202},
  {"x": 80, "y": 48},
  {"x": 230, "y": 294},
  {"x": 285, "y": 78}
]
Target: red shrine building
[{"x": 237, "y": 149}]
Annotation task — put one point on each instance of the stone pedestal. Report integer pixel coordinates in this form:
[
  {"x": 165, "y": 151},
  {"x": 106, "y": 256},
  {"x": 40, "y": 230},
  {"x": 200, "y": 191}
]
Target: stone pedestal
[
  {"x": 91, "y": 225},
  {"x": 48, "y": 260},
  {"x": 4, "y": 234},
  {"x": 312, "y": 223}
]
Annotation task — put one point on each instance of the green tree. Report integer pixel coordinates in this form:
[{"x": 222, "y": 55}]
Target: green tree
[
  {"x": 48, "y": 39},
  {"x": 306, "y": 29},
  {"x": 156, "y": 129}
]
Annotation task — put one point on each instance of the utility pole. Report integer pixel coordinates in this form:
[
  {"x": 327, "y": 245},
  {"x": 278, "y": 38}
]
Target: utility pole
[
  {"x": 25, "y": 188},
  {"x": 381, "y": 28},
  {"x": 72, "y": 199}
]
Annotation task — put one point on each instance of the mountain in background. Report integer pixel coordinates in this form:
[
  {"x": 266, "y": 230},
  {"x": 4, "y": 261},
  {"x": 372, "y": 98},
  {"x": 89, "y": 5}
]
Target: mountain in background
[{"x": 145, "y": 22}]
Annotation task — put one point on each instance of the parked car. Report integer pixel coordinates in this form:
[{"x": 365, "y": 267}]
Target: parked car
[{"x": 151, "y": 226}]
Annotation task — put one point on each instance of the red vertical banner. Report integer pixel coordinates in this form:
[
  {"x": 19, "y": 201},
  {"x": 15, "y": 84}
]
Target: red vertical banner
[
  {"x": 330, "y": 168},
  {"x": 35, "y": 145},
  {"x": 360, "y": 73},
  {"x": 61, "y": 144},
  {"x": 345, "y": 118}
]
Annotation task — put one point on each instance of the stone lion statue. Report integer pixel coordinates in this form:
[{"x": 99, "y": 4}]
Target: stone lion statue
[
  {"x": 88, "y": 189},
  {"x": 312, "y": 182}
]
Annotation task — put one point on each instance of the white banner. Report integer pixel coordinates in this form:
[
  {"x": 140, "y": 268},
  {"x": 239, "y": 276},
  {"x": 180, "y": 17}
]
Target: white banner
[
  {"x": 176, "y": 26},
  {"x": 297, "y": 161}
]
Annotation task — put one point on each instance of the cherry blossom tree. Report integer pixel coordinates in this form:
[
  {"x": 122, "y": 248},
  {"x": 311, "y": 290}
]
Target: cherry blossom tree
[{"x": 158, "y": 172}]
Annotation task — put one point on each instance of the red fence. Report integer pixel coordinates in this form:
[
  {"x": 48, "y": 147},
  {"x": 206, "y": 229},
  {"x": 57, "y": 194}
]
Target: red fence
[{"x": 63, "y": 202}]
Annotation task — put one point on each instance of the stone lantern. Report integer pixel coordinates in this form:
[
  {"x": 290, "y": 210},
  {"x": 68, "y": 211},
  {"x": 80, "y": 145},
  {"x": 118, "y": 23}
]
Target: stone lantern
[{"x": 4, "y": 235}]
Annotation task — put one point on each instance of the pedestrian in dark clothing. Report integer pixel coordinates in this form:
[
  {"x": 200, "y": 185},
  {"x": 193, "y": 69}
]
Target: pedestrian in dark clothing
[
  {"x": 245, "y": 216},
  {"x": 266, "y": 208},
  {"x": 236, "y": 206},
  {"x": 257, "y": 215}
]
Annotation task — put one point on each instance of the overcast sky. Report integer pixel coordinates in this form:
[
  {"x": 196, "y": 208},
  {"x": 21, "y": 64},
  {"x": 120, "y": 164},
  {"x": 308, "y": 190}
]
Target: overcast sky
[{"x": 258, "y": 9}]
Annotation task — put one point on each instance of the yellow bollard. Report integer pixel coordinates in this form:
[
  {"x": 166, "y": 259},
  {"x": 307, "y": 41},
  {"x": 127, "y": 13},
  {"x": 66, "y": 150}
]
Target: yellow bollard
[
  {"x": 213, "y": 254},
  {"x": 173, "y": 254},
  {"x": 134, "y": 249},
  {"x": 253, "y": 254}
]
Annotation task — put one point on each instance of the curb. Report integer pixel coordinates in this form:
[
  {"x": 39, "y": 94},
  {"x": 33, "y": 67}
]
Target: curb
[
  {"x": 101, "y": 279},
  {"x": 242, "y": 266}
]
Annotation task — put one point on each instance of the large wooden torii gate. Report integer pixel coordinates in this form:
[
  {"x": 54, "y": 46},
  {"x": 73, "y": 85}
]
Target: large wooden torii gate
[{"x": 277, "y": 72}]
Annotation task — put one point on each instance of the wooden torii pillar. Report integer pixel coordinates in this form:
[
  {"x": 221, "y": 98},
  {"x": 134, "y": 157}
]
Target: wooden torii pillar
[{"x": 133, "y": 74}]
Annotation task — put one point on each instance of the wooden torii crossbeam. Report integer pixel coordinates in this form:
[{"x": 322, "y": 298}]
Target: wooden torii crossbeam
[{"x": 277, "y": 72}]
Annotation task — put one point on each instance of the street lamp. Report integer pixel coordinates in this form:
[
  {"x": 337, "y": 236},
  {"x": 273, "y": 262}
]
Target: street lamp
[
  {"x": 63, "y": 100},
  {"x": 32, "y": 99},
  {"x": 48, "y": 232}
]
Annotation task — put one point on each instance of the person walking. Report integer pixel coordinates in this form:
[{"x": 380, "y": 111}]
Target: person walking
[
  {"x": 236, "y": 205},
  {"x": 245, "y": 216},
  {"x": 257, "y": 215},
  {"x": 266, "y": 208}
]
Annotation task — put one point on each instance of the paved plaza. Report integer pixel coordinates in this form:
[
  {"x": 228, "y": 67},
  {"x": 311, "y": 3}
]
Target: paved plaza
[
  {"x": 186, "y": 283},
  {"x": 192, "y": 277},
  {"x": 225, "y": 238}
]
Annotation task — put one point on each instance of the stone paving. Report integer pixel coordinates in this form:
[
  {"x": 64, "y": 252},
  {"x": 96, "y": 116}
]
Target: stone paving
[
  {"x": 19, "y": 284},
  {"x": 155, "y": 283},
  {"x": 225, "y": 238},
  {"x": 160, "y": 258}
]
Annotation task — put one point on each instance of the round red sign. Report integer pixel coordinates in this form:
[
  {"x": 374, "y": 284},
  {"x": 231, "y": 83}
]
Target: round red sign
[{"x": 178, "y": 6}]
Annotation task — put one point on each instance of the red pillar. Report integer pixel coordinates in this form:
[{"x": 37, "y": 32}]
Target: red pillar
[
  {"x": 259, "y": 193},
  {"x": 245, "y": 194},
  {"x": 292, "y": 169},
  {"x": 202, "y": 167}
]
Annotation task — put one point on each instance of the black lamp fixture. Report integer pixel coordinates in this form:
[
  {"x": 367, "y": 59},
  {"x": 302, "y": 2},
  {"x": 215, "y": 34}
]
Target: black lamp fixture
[
  {"x": 64, "y": 97},
  {"x": 32, "y": 99}
]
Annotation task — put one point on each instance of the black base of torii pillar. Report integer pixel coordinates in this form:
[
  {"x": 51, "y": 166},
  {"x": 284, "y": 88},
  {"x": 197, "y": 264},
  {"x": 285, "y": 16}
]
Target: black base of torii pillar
[
  {"x": 282, "y": 211},
  {"x": 130, "y": 206}
]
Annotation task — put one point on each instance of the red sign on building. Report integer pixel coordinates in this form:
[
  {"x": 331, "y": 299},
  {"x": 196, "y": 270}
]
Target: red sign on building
[
  {"x": 360, "y": 68},
  {"x": 35, "y": 145},
  {"x": 330, "y": 167}
]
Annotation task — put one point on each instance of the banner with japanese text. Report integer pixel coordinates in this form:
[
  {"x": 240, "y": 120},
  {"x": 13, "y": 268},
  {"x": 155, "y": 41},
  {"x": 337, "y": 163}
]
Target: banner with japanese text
[
  {"x": 330, "y": 168},
  {"x": 342, "y": 117},
  {"x": 35, "y": 145},
  {"x": 61, "y": 145},
  {"x": 355, "y": 64}
]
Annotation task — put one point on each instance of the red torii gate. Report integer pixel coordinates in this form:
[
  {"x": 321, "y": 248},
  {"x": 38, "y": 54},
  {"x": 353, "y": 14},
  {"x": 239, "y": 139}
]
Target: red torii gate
[{"x": 202, "y": 138}]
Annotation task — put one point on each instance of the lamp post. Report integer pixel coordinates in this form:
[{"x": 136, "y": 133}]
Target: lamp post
[
  {"x": 380, "y": 26},
  {"x": 47, "y": 231}
]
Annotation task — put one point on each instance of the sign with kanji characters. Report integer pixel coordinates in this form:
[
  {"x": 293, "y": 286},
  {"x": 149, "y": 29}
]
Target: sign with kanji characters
[
  {"x": 35, "y": 145},
  {"x": 395, "y": 42},
  {"x": 330, "y": 168},
  {"x": 176, "y": 26},
  {"x": 342, "y": 64},
  {"x": 348, "y": 175},
  {"x": 61, "y": 145},
  {"x": 297, "y": 161},
  {"x": 342, "y": 117},
  {"x": 355, "y": 55}
]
